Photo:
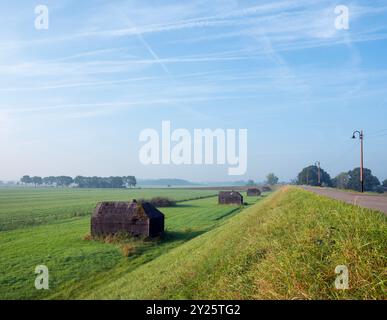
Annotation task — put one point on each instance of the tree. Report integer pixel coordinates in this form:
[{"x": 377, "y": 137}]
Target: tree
[
  {"x": 271, "y": 179},
  {"x": 37, "y": 180},
  {"x": 309, "y": 176},
  {"x": 26, "y": 179},
  {"x": 341, "y": 181},
  {"x": 51, "y": 180},
  {"x": 64, "y": 181},
  {"x": 385, "y": 183},
  {"x": 130, "y": 181},
  {"x": 250, "y": 183},
  {"x": 116, "y": 182},
  {"x": 80, "y": 181},
  {"x": 370, "y": 181}
]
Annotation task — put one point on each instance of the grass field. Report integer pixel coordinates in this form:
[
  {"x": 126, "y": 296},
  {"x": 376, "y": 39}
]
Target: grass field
[
  {"x": 285, "y": 246},
  {"x": 58, "y": 241},
  {"x": 21, "y": 207}
]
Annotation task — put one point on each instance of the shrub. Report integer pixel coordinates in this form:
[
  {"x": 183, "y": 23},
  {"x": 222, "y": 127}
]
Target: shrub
[
  {"x": 379, "y": 189},
  {"x": 88, "y": 237},
  {"x": 110, "y": 238},
  {"x": 128, "y": 249}
]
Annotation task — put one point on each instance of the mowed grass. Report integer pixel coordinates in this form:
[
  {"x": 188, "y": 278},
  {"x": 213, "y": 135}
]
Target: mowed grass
[
  {"x": 77, "y": 265},
  {"x": 286, "y": 247},
  {"x": 20, "y": 207}
]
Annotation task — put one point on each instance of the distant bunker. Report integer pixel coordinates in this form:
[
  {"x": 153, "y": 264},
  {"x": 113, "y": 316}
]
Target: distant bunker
[
  {"x": 230, "y": 197},
  {"x": 137, "y": 219},
  {"x": 253, "y": 192}
]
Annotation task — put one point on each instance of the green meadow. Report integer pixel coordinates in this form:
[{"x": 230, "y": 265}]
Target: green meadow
[
  {"x": 284, "y": 245},
  {"x": 57, "y": 238},
  {"x": 21, "y": 207}
]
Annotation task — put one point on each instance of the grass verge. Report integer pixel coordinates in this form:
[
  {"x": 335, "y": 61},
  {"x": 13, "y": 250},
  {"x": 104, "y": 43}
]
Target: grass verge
[{"x": 286, "y": 247}]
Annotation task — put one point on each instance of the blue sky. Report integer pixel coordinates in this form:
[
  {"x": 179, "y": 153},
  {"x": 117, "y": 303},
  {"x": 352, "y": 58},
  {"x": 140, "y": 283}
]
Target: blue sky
[{"x": 74, "y": 98}]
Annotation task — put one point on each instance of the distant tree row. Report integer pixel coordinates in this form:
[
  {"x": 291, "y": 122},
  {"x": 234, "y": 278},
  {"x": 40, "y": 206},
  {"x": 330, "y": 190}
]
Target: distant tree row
[
  {"x": 351, "y": 180},
  {"x": 344, "y": 180},
  {"x": 81, "y": 182},
  {"x": 109, "y": 182},
  {"x": 271, "y": 179}
]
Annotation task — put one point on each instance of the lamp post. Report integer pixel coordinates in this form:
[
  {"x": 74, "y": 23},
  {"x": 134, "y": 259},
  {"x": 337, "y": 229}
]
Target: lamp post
[
  {"x": 361, "y": 137},
  {"x": 317, "y": 163}
]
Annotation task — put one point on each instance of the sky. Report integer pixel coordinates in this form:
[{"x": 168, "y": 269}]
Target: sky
[{"x": 75, "y": 97}]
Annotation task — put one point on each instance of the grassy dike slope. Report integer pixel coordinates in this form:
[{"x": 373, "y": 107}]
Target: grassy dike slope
[{"x": 284, "y": 247}]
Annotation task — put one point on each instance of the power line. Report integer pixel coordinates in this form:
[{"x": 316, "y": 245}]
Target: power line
[
  {"x": 378, "y": 135},
  {"x": 376, "y": 132}
]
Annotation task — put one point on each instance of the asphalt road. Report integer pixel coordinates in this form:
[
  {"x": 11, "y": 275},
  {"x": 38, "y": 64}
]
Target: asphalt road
[{"x": 378, "y": 202}]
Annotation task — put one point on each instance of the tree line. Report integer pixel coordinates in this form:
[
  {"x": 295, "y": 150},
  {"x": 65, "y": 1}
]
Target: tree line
[
  {"x": 271, "y": 179},
  {"x": 344, "y": 180},
  {"x": 81, "y": 181}
]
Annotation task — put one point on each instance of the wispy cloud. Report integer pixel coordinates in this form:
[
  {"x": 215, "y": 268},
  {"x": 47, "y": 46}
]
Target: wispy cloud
[{"x": 76, "y": 84}]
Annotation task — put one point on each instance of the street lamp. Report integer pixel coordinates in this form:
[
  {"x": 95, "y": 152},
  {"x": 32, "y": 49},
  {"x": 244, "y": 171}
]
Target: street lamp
[
  {"x": 361, "y": 137},
  {"x": 317, "y": 163}
]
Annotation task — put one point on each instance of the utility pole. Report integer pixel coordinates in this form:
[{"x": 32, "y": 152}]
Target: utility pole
[
  {"x": 361, "y": 137},
  {"x": 318, "y": 173}
]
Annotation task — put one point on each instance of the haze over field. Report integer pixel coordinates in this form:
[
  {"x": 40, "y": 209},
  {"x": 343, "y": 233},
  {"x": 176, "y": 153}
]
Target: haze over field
[{"x": 74, "y": 98}]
